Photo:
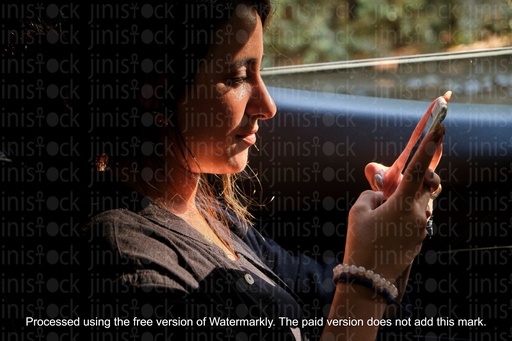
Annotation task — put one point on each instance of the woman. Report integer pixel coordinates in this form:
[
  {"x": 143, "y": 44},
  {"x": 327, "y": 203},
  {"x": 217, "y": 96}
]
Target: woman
[{"x": 183, "y": 248}]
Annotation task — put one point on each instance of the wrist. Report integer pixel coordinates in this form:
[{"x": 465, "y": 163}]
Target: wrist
[
  {"x": 354, "y": 275},
  {"x": 388, "y": 269}
]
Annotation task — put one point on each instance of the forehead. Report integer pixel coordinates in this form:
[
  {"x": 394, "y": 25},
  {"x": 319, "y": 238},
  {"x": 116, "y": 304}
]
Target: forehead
[{"x": 241, "y": 32}]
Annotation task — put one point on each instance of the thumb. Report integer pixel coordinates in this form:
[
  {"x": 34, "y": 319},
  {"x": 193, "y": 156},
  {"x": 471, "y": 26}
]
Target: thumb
[{"x": 375, "y": 174}]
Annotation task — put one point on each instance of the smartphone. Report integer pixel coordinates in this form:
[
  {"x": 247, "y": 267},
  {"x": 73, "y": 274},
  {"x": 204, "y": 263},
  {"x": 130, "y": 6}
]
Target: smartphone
[{"x": 439, "y": 110}]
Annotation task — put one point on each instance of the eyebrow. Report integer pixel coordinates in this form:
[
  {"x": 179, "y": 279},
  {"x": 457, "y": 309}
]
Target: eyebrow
[{"x": 238, "y": 63}]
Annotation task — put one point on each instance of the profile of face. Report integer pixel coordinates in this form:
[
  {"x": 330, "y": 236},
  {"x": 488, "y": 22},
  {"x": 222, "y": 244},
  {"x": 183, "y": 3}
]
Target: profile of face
[{"x": 219, "y": 115}]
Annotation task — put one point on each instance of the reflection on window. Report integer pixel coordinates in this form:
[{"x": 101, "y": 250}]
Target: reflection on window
[{"x": 483, "y": 76}]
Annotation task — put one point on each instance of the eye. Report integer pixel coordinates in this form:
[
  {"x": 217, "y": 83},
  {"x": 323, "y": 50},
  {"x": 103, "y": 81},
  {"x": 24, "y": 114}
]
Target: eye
[{"x": 236, "y": 81}]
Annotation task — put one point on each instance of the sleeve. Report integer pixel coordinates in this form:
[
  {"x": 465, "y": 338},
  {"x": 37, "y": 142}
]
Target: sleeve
[
  {"x": 122, "y": 249},
  {"x": 306, "y": 277}
]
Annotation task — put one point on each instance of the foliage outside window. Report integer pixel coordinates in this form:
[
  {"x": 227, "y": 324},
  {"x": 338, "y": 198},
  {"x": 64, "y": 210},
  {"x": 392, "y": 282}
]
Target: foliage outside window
[{"x": 305, "y": 31}]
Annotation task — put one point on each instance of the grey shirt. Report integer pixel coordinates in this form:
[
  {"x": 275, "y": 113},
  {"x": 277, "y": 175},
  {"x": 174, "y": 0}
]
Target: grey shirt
[{"x": 151, "y": 264}]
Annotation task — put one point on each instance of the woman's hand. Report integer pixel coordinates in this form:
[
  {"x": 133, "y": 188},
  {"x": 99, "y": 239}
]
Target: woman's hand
[{"x": 386, "y": 236}]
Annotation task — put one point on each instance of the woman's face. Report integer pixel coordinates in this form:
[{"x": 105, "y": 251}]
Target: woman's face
[{"x": 219, "y": 115}]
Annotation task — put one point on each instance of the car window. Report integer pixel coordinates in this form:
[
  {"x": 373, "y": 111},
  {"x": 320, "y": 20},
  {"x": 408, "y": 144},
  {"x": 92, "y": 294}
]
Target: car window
[{"x": 409, "y": 49}]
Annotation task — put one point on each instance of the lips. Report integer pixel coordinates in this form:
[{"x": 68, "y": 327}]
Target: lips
[{"x": 249, "y": 137}]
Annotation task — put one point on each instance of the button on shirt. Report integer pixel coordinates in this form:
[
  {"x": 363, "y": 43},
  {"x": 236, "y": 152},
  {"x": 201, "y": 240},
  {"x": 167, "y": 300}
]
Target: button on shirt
[{"x": 152, "y": 264}]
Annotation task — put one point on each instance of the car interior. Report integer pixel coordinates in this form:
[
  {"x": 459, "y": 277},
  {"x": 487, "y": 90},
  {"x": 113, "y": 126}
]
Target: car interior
[
  {"x": 310, "y": 160},
  {"x": 332, "y": 120}
]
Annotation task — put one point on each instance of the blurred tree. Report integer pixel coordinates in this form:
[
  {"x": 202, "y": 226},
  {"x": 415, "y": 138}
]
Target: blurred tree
[{"x": 303, "y": 31}]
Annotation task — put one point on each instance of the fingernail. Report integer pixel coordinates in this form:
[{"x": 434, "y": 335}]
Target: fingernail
[
  {"x": 378, "y": 181},
  {"x": 438, "y": 133}
]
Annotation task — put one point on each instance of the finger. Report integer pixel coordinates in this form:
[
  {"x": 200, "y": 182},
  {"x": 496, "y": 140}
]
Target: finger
[
  {"x": 430, "y": 208},
  {"x": 437, "y": 156},
  {"x": 375, "y": 173},
  {"x": 424, "y": 201},
  {"x": 432, "y": 180},
  {"x": 412, "y": 182},
  {"x": 368, "y": 201},
  {"x": 436, "y": 192}
]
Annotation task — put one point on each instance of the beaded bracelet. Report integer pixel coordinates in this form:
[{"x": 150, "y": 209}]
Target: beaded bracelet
[{"x": 359, "y": 275}]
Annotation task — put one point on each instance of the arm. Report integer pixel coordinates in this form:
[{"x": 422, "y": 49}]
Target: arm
[
  {"x": 387, "y": 179},
  {"x": 353, "y": 301}
]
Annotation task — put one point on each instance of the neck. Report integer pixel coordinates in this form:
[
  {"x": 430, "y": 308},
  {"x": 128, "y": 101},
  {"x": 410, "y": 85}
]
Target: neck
[
  {"x": 177, "y": 194},
  {"x": 173, "y": 188}
]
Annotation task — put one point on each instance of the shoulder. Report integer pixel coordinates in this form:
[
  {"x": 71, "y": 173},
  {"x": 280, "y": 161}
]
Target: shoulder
[
  {"x": 118, "y": 227},
  {"x": 111, "y": 218},
  {"x": 135, "y": 249},
  {"x": 114, "y": 218},
  {"x": 137, "y": 234}
]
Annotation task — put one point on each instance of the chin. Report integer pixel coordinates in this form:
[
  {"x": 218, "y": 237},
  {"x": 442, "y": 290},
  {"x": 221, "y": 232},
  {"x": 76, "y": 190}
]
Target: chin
[
  {"x": 235, "y": 165},
  {"x": 233, "y": 169},
  {"x": 229, "y": 167}
]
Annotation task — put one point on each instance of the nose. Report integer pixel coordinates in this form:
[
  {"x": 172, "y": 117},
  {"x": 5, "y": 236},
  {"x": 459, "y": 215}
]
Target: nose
[{"x": 261, "y": 103}]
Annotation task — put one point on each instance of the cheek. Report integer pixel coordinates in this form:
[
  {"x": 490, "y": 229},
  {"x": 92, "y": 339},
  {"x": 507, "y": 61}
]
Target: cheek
[
  {"x": 235, "y": 106},
  {"x": 217, "y": 116},
  {"x": 198, "y": 120},
  {"x": 225, "y": 116}
]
